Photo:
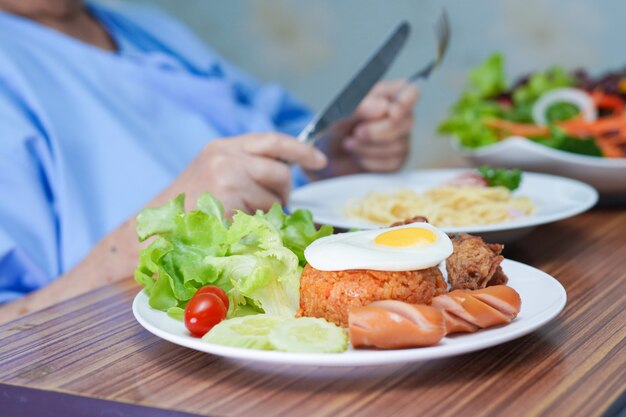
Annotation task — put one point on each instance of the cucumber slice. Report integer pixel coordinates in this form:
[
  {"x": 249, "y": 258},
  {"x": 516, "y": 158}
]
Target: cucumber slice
[
  {"x": 249, "y": 332},
  {"x": 308, "y": 334}
]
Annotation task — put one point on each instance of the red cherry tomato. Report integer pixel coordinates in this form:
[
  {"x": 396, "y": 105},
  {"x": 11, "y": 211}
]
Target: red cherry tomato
[
  {"x": 212, "y": 289},
  {"x": 203, "y": 312}
]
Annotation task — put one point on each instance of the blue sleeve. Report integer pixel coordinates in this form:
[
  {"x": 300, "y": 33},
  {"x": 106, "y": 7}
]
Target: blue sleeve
[
  {"x": 28, "y": 248},
  {"x": 288, "y": 115}
]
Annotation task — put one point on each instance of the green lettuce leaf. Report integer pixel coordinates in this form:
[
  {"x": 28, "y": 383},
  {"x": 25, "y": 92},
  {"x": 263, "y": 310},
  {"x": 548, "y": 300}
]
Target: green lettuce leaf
[
  {"x": 160, "y": 220},
  {"x": 269, "y": 277},
  {"x": 259, "y": 266},
  {"x": 561, "y": 111},
  {"x": 488, "y": 79},
  {"x": 172, "y": 267},
  {"x": 297, "y": 231},
  {"x": 476, "y": 104},
  {"x": 560, "y": 140},
  {"x": 487, "y": 96},
  {"x": 257, "y": 259},
  {"x": 501, "y": 177},
  {"x": 541, "y": 82},
  {"x": 465, "y": 121}
]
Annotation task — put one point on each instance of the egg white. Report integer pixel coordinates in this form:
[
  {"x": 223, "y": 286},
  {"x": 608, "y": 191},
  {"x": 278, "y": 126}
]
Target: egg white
[{"x": 357, "y": 250}]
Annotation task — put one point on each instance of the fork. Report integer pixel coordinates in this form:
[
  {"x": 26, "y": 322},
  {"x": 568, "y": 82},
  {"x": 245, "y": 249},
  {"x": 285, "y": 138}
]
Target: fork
[{"x": 442, "y": 32}]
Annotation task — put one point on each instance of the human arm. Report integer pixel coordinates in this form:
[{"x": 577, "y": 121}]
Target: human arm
[
  {"x": 376, "y": 138},
  {"x": 248, "y": 172}
]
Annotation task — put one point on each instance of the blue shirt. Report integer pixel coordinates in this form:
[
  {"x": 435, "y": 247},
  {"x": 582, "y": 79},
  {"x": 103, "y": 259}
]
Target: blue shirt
[{"x": 88, "y": 137}]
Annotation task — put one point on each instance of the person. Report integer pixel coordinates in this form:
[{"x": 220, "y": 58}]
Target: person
[{"x": 105, "y": 110}]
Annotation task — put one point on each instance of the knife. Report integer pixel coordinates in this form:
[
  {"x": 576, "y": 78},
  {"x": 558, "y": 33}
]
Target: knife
[{"x": 361, "y": 83}]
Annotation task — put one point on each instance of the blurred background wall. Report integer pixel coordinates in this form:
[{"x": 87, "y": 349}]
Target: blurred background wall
[{"x": 313, "y": 47}]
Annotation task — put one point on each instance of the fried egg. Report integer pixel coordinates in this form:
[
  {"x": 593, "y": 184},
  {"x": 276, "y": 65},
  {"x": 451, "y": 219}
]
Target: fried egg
[{"x": 408, "y": 247}]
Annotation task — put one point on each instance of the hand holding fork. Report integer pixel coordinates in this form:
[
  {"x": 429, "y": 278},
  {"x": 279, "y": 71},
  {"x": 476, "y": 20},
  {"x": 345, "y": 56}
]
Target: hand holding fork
[
  {"x": 442, "y": 32},
  {"x": 380, "y": 141}
]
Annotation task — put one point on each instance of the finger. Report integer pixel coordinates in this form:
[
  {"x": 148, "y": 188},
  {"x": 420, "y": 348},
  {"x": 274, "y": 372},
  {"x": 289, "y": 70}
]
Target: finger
[
  {"x": 383, "y": 165},
  {"x": 378, "y": 101},
  {"x": 404, "y": 102},
  {"x": 368, "y": 150},
  {"x": 259, "y": 198},
  {"x": 231, "y": 204},
  {"x": 284, "y": 148},
  {"x": 273, "y": 175},
  {"x": 372, "y": 107},
  {"x": 387, "y": 88},
  {"x": 385, "y": 130},
  {"x": 384, "y": 100}
]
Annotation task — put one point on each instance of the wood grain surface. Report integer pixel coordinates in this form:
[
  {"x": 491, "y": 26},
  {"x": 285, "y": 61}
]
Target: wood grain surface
[{"x": 91, "y": 347}]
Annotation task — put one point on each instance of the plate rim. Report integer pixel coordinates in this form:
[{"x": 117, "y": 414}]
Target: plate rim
[
  {"x": 530, "y": 221},
  {"x": 524, "y": 143},
  {"x": 381, "y": 357}
]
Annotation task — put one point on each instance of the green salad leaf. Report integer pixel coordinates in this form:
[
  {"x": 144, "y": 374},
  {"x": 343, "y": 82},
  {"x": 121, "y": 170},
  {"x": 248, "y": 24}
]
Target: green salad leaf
[
  {"x": 172, "y": 267},
  {"x": 488, "y": 96},
  {"x": 508, "y": 178},
  {"x": 257, "y": 259},
  {"x": 488, "y": 79},
  {"x": 560, "y": 140},
  {"x": 297, "y": 230},
  {"x": 466, "y": 121},
  {"x": 541, "y": 82},
  {"x": 259, "y": 266},
  {"x": 561, "y": 111}
]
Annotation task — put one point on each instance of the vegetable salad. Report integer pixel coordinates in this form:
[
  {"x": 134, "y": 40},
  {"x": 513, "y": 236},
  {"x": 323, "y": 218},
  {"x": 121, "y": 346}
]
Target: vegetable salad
[
  {"x": 256, "y": 259},
  {"x": 556, "y": 108}
]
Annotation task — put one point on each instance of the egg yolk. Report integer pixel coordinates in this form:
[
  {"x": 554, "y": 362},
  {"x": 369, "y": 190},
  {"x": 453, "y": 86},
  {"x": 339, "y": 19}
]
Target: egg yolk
[{"x": 409, "y": 236}]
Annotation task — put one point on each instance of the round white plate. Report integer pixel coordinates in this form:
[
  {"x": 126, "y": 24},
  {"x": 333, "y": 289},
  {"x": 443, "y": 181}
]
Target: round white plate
[
  {"x": 605, "y": 174},
  {"x": 555, "y": 198},
  {"x": 543, "y": 297}
]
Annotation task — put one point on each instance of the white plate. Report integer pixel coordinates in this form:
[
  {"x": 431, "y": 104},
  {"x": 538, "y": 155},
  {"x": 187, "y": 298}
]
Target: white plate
[
  {"x": 543, "y": 298},
  {"x": 605, "y": 174},
  {"x": 555, "y": 198}
]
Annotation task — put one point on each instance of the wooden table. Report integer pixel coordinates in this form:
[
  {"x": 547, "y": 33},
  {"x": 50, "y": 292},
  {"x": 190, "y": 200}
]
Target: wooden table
[{"x": 88, "y": 356}]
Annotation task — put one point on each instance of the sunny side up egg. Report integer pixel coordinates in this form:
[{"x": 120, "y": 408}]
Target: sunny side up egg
[{"x": 403, "y": 248}]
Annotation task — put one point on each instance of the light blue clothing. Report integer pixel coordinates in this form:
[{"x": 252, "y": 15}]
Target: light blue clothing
[{"x": 88, "y": 137}]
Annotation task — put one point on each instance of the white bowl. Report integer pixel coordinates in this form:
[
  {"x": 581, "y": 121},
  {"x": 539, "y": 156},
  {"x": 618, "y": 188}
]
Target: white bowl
[{"x": 607, "y": 175}]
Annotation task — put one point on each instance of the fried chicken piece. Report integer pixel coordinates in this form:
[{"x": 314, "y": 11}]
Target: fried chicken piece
[
  {"x": 474, "y": 264},
  {"x": 499, "y": 278}
]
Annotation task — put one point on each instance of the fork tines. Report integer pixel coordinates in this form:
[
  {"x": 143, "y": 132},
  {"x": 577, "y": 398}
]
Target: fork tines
[{"x": 442, "y": 31}]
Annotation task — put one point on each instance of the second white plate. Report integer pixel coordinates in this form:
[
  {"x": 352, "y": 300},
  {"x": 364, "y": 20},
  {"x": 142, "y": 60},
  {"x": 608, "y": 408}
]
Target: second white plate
[
  {"x": 556, "y": 198},
  {"x": 543, "y": 297},
  {"x": 605, "y": 174}
]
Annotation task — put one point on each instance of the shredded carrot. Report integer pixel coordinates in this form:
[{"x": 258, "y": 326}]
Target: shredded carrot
[
  {"x": 611, "y": 150},
  {"x": 518, "y": 129},
  {"x": 609, "y": 131},
  {"x": 580, "y": 128},
  {"x": 608, "y": 101}
]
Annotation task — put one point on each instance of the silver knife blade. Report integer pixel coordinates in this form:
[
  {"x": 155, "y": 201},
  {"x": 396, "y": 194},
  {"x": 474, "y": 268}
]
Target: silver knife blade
[{"x": 357, "y": 88}]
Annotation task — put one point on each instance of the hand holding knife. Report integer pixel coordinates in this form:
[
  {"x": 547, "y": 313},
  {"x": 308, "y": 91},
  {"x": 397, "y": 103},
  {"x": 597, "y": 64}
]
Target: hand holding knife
[{"x": 357, "y": 88}]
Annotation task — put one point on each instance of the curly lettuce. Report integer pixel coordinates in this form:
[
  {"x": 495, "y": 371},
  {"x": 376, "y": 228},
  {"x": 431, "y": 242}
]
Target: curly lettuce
[
  {"x": 257, "y": 259},
  {"x": 488, "y": 96}
]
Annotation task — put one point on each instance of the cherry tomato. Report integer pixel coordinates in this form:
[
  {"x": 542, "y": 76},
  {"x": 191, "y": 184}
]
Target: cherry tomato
[
  {"x": 203, "y": 312},
  {"x": 212, "y": 289}
]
